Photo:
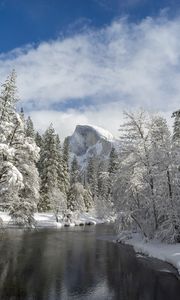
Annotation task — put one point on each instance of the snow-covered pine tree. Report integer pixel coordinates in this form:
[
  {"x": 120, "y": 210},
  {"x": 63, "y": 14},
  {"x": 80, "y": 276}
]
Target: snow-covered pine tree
[
  {"x": 11, "y": 180},
  {"x": 26, "y": 155},
  {"x": 49, "y": 164},
  {"x": 103, "y": 204},
  {"x": 29, "y": 128},
  {"x": 39, "y": 143},
  {"x": 102, "y": 169},
  {"x": 38, "y": 140},
  {"x": 8, "y": 100},
  {"x": 61, "y": 173},
  {"x": 18, "y": 178},
  {"x": 75, "y": 200},
  {"x": 65, "y": 162},
  {"x": 51, "y": 197},
  {"x": 88, "y": 200},
  {"x": 91, "y": 176},
  {"x": 74, "y": 171},
  {"x": 110, "y": 177},
  {"x": 79, "y": 196},
  {"x": 113, "y": 161},
  {"x": 112, "y": 167}
]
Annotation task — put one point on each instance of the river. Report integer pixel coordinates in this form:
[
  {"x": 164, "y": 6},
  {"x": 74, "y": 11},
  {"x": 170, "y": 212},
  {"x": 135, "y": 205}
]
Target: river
[{"x": 79, "y": 263}]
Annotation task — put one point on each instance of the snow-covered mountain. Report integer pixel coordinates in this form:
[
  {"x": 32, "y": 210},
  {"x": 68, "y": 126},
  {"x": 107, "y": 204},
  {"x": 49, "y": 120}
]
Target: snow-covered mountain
[{"x": 90, "y": 140}]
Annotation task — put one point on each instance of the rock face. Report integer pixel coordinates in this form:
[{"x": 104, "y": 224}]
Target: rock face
[{"x": 87, "y": 141}]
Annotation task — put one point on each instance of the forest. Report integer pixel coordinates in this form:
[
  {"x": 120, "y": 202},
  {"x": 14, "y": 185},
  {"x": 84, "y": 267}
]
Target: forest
[{"x": 138, "y": 185}]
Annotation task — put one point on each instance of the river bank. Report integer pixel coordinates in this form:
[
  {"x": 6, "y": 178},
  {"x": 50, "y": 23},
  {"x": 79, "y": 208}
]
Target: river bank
[
  {"x": 49, "y": 220},
  {"x": 169, "y": 253}
]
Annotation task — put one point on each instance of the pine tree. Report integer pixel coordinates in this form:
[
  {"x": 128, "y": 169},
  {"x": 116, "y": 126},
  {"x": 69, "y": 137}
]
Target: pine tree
[
  {"x": 10, "y": 177},
  {"x": 112, "y": 169},
  {"x": 39, "y": 140},
  {"x": 102, "y": 180},
  {"x": 49, "y": 176},
  {"x": 91, "y": 176},
  {"x": 52, "y": 194},
  {"x": 75, "y": 201},
  {"x": 104, "y": 205},
  {"x": 61, "y": 175},
  {"x": 18, "y": 180},
  {"x": 23, "y": 207},
  {"x": 30, "y": 132},
  {"x": 88, "y": 200},
  {"x": 65, "y": 162},
  {"x": 8, "y": 100},
  {"x": 74, "y": 172},
  {"x": 39, "y": 143},
  {"x": 113, "y": 161}
]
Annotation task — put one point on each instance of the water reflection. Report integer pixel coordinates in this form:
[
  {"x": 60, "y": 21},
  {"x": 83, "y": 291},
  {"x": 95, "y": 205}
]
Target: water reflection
[{"x": 74, "y": 264}]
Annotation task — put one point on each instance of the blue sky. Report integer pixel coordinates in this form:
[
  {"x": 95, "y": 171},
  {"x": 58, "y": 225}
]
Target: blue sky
[
  {"x": 85, "y": 61},
  {"x": 33, "y": 21}
]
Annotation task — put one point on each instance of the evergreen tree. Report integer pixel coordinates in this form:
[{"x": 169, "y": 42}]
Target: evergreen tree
[
  {"x": 39, "y": 143},
  {"x": 39, "y": 140},
  {"x": 61, "y": 177},
  {"x": 102, "y": 181},
  {"x": 52, "y": 190},
  {"x": 65, "y": 162},
  {"x": 74, "y": 172},
  {"x": 8, "y": 100},
  {"x": 30, "y": 132},
  {"x": 75, "y": 200},
  {"x": 22, "y": 208},
  {"x": 49, "y": 176},
  {"x": 91, "y": 176},
  {"x": 18, "y": 174},
  {"x": 11, "y": 180},
  {"x": 88, "y": 201},
  {"x": 104, "y": 204},
  {"x": 113, "y": 162}
]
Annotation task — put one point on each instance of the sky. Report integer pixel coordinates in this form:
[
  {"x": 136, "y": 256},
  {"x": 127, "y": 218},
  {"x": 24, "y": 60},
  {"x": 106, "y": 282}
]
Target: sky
[{"x": 87, "y": 61}]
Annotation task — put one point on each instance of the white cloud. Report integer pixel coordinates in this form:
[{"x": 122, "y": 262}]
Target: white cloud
[
  {"x": 123, "y": 65},
  {"x": 65, "y": 122},
  {"x": 108, "y": 117}
]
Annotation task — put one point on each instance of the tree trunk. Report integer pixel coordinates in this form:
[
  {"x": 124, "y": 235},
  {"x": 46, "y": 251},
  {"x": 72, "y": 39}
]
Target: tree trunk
[
  {"x": 139, "y": 225},
  {"x": 154, "y": 204}
]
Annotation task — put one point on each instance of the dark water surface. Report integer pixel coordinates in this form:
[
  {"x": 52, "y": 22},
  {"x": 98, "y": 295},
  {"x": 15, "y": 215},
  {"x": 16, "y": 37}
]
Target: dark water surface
[{"x": 79, "y": 264}]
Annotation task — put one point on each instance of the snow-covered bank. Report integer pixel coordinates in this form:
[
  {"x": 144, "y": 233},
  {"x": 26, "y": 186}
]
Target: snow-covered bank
[
  {"x": 165, "y": 252},
  {"x": 48, "y": 220}
]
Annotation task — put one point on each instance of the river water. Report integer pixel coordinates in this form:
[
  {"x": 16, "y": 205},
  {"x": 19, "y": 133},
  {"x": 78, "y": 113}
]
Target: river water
[{"x": 79, "y": 263}]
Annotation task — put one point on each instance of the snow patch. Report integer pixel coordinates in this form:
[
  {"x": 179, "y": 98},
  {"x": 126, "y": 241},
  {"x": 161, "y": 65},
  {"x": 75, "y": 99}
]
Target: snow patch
[
  {"x": 165, "y": 252},
  {"x": 49, "y": 220},
  {"x": 105, "y": 134}
]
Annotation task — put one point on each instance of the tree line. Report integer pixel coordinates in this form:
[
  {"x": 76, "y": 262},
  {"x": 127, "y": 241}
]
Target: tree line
[
  {"x": 146, "y": 191},
  {"x": 139, "y": 183},
  {"x": 37, "y": 173}
]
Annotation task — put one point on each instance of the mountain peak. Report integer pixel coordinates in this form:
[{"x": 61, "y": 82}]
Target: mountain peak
[
  {"x": 89, "y": 140},
  {"x": 101, "y": 132}
]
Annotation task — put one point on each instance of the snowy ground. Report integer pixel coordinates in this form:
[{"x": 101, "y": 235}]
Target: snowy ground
[
  {"x": 165, "y": 252},
  {"x": 48, "y": 220}
]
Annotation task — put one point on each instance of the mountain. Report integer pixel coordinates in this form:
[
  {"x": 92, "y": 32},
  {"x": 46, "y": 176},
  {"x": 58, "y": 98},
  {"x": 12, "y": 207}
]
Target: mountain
[{"x": 88, "y": 140}]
